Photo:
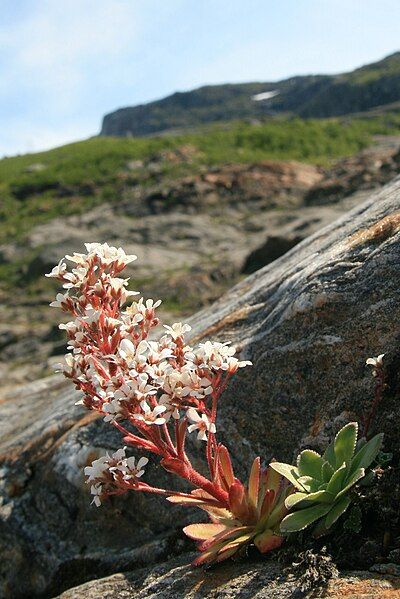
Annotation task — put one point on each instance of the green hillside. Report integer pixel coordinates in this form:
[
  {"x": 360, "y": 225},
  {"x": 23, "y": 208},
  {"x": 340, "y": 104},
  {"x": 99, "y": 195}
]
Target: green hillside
[{"x": 35, "y": 188}]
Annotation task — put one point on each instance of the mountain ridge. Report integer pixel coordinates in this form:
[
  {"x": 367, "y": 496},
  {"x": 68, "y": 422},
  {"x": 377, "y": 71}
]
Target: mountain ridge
[{"x": 308, "y": 96}]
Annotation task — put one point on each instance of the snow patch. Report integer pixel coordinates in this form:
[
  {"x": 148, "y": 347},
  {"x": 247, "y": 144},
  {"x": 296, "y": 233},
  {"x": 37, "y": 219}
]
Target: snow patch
[{"x": 265, "y": 95}]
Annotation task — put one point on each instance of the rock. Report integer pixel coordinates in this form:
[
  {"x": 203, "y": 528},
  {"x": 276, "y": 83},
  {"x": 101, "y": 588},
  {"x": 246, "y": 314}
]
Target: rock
[
  {"x": 285, "y": 232},
  {"x": 271, "y": 250},
  {"x": 368, "y": 169},
  {"x": 392, "y": 569},
  {"x": 307, "y": 321},
  {"x": 246, "y": 579},
  {"x": 134, "y": 165},
  {"x": 36, "y": 167}
]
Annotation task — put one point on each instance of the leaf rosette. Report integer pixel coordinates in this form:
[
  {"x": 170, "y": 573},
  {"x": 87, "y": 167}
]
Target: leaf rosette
[{"x": 324, "y": 484}]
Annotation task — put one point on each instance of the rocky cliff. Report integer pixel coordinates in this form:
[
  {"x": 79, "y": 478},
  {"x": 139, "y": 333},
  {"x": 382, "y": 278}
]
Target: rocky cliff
[
  {"x": 307, "y": 321},
  {"x": 370, "y": 86}
]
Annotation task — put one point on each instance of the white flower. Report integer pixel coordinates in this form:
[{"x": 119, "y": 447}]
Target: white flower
[
  {"x": 171, "y": 407},
  {"x": 60, "y": 299},
  {"x": 136, "y": 389},
  {"x": 177, "y": 329},
  {"x": 91, "y": 315},
  {"x": 97, "y": 491},
  {"x": 133, "y": 470},
  {"x": 112, "y": 410},
  {"x": 97, "y": 469},
  {"x": 77, "y": 258},
  {"x": 218, "y": 356},
  {"x": 75, "y": 278},
  {"x": 150, "y": 416},
  {"x": 69, "y": 364},
  {"x": 152, "y": 305},
  {"x": 201, "y": 423},
  {"x": 58, "y": 270},
  {"x": 131, "y": 353},
  {"x": 108, "y": 254},
  {"x": 198, "y": 387},
  {"x": 376, "y": 362},
  {"x": 70, "y": 327},
  {"x": 117, "y": 283},
  {"x": 157, "y": 354},
  {"x": 233, "y": 364},
  {"x": 119, "y": 454}
]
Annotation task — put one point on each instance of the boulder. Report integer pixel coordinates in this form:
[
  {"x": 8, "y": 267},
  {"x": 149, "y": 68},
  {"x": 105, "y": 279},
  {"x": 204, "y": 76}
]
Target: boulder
[
  {"x": 307, "y": 321},
  {"x": 255, "y": 579}
]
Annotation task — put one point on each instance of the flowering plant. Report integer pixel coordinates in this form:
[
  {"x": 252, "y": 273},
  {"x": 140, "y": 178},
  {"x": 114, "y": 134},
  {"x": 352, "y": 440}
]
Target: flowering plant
[{"x": 156, "y": 393}]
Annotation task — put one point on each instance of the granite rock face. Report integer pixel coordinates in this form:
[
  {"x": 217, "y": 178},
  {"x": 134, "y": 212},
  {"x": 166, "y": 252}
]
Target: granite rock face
[
  {"x": 307, "y": 321},
  {"x": 247, "y": 580}
]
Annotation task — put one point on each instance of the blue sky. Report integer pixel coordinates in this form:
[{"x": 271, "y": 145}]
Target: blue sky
[{"x": 65, "y": 63}]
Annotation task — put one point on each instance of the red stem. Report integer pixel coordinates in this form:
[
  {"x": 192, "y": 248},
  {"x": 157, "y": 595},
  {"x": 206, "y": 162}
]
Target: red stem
[{"x": 380, "y": 376}]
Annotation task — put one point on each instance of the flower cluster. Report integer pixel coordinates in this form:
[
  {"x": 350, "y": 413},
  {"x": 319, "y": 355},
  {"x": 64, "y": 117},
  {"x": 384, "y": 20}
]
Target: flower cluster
[
  {"x": 109, "y": 472},
  {"x": 161, "y": 389}
]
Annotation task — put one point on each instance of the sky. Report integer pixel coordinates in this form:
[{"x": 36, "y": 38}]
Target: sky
[{"x": 66, "y": 63}]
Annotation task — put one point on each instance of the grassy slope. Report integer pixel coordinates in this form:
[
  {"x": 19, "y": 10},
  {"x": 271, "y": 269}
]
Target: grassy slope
[
  {"x": 390, "y": 66},
  {"x": 78, "y": 176}
]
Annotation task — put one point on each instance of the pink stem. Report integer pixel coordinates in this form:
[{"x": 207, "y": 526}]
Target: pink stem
[{"x": 377, "y": 399}]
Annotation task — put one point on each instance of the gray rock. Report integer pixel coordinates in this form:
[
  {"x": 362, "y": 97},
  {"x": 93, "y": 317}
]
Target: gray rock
[
  {"x": 307, "y": 321},
  {"x": 247, "y": 579}
]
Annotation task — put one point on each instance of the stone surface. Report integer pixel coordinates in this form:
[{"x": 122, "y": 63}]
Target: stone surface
[
  {"x": 247, "y": 580},
  {"x": 195, "y": 235},
  {"x": 307, "y": 321}
]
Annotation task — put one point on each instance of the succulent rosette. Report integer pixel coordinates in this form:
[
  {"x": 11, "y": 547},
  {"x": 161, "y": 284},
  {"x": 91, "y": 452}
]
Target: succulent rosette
[{"x": 324, "y": 484}]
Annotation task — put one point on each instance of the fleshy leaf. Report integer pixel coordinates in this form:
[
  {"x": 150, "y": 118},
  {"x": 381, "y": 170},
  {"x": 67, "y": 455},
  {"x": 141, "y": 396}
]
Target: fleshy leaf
[
  {"x": 345, "y": 443},
  {"x": 226, "y": 465},
  {"x": 206, "y": 557},
  {"x": 327, "y": 472},
  {"x": 270, "y": 478},
  {"x": 309, "y": 499},
  {"x": 293, "y": 499},
  {"x": 329, "y": 455},
  {"x": 226, "y": 536},
  {"x": 310, "y": 463},
  {"x": 187, "y": 500},
  {"x": 267, "y": 503},
  {"x": 358, "y": 474},
  {"x": 218, "y": 514},
  {"x": 338, "y": 509},
  {"x": 368, "y": 452},
  {"x": 290, "y": 472},
  {"x": 238, "y": 501},
  {"x": 310, "y": 484},
  {"x": 303, "y": 518},
  {"x": 337, "y": 481},
  {"x": 254, "y": 482},
  {"x": 226, "y": 553},
  {"x": 279, "y": 511},
  {"x": 267, "y": 540},
  {"x": 202, "y": 532}
]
